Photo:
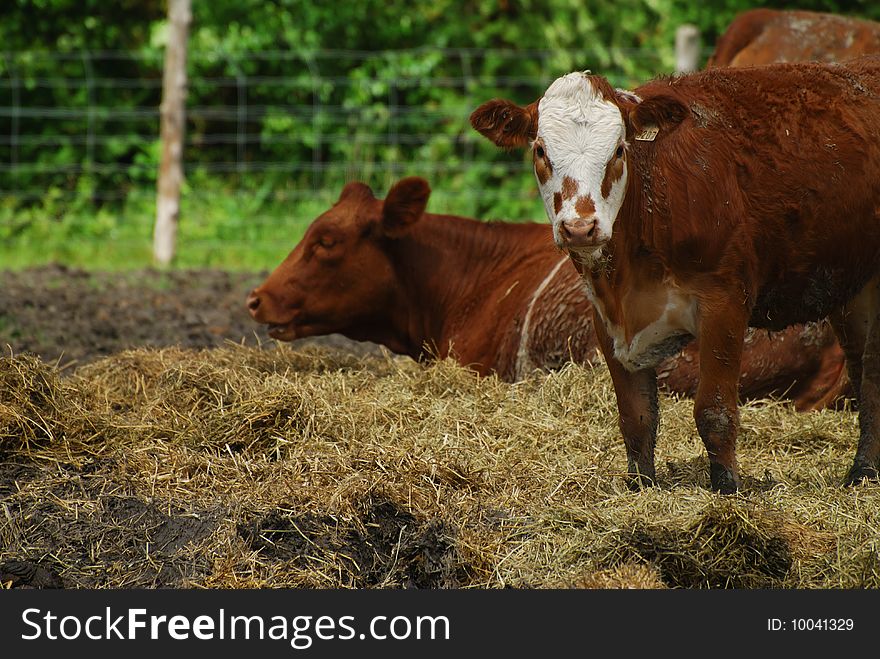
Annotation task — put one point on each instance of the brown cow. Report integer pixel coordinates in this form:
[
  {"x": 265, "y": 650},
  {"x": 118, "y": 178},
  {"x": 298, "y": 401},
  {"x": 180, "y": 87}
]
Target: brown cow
[
  {"x": 765, "y": 36},
  {"x": 700, "y": 205},
  {"x": 500, "y": 295}
]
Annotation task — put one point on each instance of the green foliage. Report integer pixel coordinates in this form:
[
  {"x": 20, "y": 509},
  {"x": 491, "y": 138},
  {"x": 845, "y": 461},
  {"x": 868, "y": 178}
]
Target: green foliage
[
  {"x": 373, "y": 89},
  {"x": 234, "y": 227}
]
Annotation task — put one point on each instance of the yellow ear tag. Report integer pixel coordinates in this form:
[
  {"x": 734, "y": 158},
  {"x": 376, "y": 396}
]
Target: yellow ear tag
[{"x": 648, "y": 134}]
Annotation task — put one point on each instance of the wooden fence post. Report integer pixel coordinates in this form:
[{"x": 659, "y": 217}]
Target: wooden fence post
[
  {"x": 687, "y": 48},
  {"x": 172, "y": 116}
]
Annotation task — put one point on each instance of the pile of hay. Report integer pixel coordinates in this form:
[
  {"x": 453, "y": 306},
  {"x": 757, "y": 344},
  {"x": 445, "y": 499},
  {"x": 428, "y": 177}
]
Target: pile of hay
[{"x": 243, "y": 467}]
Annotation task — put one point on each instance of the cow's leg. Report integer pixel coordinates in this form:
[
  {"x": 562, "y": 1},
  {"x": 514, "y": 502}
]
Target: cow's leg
[
  {"x": 638, "y": 413},
  {"x": 852, "y": 335},
  {"x": 722, "y": 332},
  {"x": 858, "y": 330}
]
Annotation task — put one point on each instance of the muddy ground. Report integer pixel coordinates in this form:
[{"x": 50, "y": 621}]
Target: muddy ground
[{"x": 71, "y": 317}]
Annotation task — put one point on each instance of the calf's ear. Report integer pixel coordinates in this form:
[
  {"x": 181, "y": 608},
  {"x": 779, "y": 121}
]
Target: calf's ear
[
  {"x": 404, "y": 205},
  {"x": 505, "y": 123},
  {"x": 661, "y": 112}
]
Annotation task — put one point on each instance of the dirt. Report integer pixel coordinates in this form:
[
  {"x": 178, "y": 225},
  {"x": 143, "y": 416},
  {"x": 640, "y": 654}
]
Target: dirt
[
  {"x": 422, "y": 553},
  {"x": 71, "y": 317},
  {"x": 81, "y": 534}
]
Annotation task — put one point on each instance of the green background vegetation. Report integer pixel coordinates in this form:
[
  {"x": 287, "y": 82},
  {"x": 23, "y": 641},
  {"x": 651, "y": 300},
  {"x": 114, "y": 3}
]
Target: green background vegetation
[{"x": 83, "y": 190}]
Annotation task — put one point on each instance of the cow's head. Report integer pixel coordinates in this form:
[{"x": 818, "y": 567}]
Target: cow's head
[
  {"x": 339, "y": 278},
  {"x": 579, "y": 133}
]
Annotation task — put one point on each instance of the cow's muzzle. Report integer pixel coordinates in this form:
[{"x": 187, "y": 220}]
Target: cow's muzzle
[
  {"x": 579, "y": 232},
  {"x": 253, "y": 303},
  {"x": 260, "y": 306}
]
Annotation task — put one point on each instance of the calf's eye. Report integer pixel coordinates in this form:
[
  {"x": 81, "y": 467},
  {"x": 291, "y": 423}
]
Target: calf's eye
[
  {"x": 619, "y": 152},
  {"x": 539, "y": 151}
]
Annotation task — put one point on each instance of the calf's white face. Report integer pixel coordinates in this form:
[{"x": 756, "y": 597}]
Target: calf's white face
[{"x": 580, "y": 162}]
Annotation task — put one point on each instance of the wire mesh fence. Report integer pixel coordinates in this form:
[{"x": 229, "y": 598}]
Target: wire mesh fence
[{"x": 275, "y": 129}]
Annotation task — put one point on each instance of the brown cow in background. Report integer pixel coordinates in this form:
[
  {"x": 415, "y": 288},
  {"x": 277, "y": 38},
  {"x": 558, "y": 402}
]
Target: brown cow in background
[
  {"x": 765, "y": 36},
  {"x": 499, "y": 297}
]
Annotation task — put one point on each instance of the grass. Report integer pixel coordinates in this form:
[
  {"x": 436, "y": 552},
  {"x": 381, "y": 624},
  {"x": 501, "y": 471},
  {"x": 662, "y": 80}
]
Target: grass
[{"x": 214, "y": 231}]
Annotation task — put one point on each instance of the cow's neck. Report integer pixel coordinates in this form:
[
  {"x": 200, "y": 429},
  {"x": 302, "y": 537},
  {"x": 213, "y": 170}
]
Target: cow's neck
[
  {"x": 627, "y": 262},
  {"x": 646, "y": 313},
  {"x": 449, "y": 268}
]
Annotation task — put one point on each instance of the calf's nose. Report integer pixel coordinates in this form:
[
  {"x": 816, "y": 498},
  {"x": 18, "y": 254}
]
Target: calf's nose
[
  {"x": 579, "y": 232},
  {"x": 253, "y": 302}
]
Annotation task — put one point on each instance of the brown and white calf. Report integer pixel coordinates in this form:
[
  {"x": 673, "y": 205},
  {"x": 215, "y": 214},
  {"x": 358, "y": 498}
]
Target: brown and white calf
[
  {"x": 700, "y": 205},
  {"x": 765, "y": 36},
  {"x": 499, "y": 297}
]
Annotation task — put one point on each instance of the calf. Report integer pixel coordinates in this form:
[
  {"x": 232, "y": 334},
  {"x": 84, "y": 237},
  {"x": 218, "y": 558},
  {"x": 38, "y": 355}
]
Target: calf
[
  {"x": 700, "y": 205},
  {"x": 765, "y": 36},
  {"x": 500, "y": 297}
]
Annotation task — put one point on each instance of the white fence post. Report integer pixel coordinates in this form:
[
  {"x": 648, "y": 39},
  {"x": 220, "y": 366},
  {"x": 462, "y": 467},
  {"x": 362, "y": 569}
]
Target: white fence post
[
  {"x": 687, "y": 48},
  {"x": 172, "y": 116}
]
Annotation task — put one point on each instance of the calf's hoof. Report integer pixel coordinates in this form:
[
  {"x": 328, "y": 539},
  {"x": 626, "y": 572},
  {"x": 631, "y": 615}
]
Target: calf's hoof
[
  {"x": 859, "y": 473},
  {"x": 724, "y": 481}
]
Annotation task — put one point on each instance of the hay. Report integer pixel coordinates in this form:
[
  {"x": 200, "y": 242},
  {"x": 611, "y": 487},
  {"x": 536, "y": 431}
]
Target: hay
[
  {"x": 634, "y": 576},
  {"x": 31, "y": 399},
  {"x": 248, "y": 467}
]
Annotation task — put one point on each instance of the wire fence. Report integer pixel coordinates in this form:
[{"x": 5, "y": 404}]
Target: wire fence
[{"x": 289, "y": 127}]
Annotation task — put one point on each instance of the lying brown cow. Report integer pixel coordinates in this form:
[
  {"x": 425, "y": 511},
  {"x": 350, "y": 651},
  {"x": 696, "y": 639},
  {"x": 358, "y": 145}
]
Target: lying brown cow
[
  {"x": 501, "y": 296},
  {"x": 703, "y": 204},
  {"x": 765, "y": 36}
]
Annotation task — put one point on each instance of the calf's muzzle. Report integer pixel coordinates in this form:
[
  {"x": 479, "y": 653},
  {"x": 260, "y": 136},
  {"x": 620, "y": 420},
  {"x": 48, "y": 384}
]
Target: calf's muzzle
[{"x": 579, "y": 232}]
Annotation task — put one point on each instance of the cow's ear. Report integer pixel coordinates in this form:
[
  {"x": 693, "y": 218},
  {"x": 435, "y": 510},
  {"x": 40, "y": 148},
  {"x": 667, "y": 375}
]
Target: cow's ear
[
  {"x": 356, "y": 190},
  {"x": 662, "y": 113},
  {"x": 404, "y": 205},
  {"x": 626, "y": 99},
  {"x": 506, "y": 124}
]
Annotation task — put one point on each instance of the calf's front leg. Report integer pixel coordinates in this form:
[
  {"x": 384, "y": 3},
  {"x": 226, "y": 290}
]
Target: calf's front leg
[
  {"x": 722, "y": 332},
  {"x": 638, "y": 412}
]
